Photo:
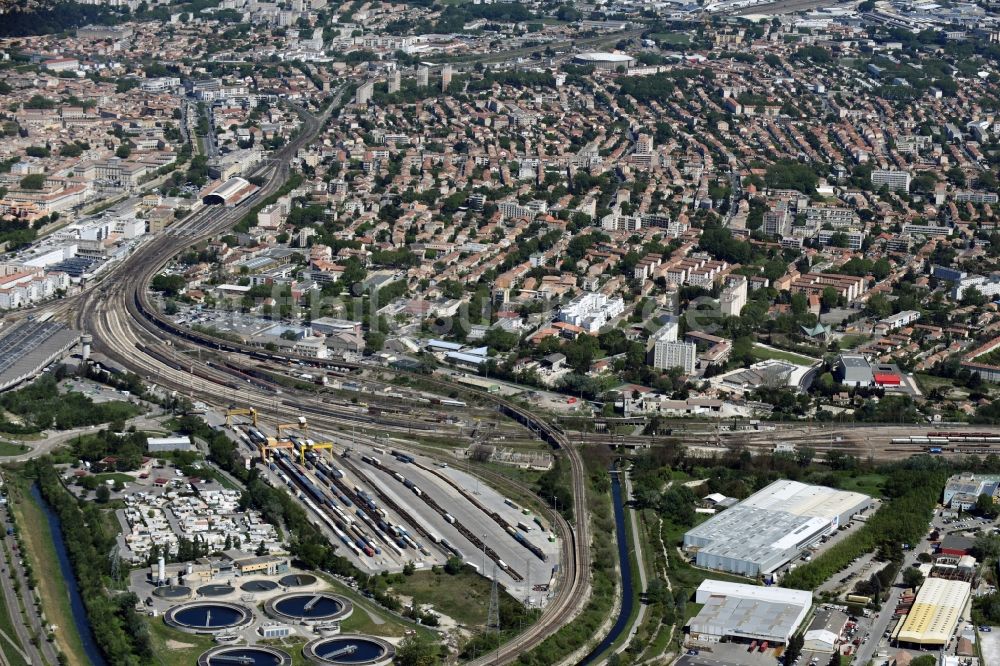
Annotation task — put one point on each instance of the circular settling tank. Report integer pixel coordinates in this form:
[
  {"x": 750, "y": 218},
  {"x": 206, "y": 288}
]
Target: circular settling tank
[
  {"x": 245, "y": 656},
  {"x": 172, "y": 592},
  {"x": 259, "y": 585},
  {"x": 203, "y": 617},
  {"x": 309, "y": 607},
  {"x": 215, "y": 590},
  {"x": 350, "y": 649},
  {"x": 297, "y": 580}
]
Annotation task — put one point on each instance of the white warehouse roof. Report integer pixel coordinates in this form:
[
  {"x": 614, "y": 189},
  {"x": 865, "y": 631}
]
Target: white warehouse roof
[
  {"x": 599, "y": 56},
  {"x": 777, "y": 595},
  {"x": 748, "y": 611},
  {"x": 771, "y": 527}
]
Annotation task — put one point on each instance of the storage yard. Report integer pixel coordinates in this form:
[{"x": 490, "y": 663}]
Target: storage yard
[{"x": 386, "y": 508}]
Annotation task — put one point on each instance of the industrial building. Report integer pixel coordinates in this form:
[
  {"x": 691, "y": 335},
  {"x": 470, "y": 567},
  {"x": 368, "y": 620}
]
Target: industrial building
[
  {"x": 825, "y": 631},
  {"x": 174, "y": 443},
  {"x": 747, "y": 612},
  {"x": 854, "y": 370},
  {"x": 766, "y": 531},
  {"x": 935, "y": 613},
  {"x": 963, "y": 490}
]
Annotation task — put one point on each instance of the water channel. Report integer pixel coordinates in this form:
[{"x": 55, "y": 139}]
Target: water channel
[{"x": 77, "y": 608}]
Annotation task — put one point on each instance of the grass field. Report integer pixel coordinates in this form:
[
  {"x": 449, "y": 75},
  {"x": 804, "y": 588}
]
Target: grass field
[
  {"x": 928, "y": 383},
  {"x": 869, "y": 484},
  {"x": 51, "y": 586},
  {"x": 12, "y": 449},
  {"x": 174, "y": 648},
  {"x": 769, "y": 353},
  {"x": 361, "y": 621},
  {"x": 671, "y": 38},
  {"x": 852, "y": 340},
  {"x": 464, "y": 597}
]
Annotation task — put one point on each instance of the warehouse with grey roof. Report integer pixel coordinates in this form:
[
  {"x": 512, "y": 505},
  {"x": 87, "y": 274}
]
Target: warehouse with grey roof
[
  {"x": 747, "y": 612},
  {"x": 772, "y": 527}
]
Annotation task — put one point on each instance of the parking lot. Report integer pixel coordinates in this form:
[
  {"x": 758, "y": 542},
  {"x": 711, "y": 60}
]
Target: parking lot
[
  {"x": 729, "y": 654},
  {"x": 989, "y": 643}
]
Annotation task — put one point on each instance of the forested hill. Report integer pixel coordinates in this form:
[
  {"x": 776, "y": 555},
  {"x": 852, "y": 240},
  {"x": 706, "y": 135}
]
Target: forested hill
[{"x": 20, "y": 18}]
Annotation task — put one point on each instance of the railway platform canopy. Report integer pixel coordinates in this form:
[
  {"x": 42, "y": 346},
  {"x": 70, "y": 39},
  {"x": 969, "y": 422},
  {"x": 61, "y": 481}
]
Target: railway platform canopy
[{"x": 227, "y": 193}]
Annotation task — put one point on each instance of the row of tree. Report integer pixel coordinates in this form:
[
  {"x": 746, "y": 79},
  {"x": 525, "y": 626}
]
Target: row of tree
[
  {"x": 120, "y": 634},
  {"x": 912, "y": 489}
]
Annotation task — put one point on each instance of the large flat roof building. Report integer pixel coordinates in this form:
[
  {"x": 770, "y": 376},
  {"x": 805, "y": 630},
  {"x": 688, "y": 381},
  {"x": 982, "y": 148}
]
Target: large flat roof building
[
  {"x": 771, "y": 527},
  {"x": 748, "y": 612},
  {"x": 935, "y": 613}
]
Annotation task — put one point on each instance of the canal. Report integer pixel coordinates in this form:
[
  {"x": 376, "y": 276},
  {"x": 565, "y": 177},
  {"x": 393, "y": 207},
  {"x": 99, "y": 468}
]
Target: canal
[
  {"x": 625, "y": 562},
  {"x": 79, "y": 611}
]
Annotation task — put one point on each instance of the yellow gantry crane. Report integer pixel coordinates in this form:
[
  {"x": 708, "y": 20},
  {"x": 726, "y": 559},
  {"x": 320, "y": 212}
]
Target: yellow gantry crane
[
  {"x": 272, "y": 444},
  {"x": 300, "y": 425},
  {"x": 312, "y": 446},
  {"x": 241, "y": 411}
]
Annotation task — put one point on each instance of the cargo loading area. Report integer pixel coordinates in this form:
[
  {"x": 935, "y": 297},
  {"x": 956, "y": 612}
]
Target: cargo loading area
[{"x": 384, "y": 508}]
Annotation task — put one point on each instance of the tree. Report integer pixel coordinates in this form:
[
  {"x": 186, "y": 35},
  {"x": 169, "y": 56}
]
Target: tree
[
  {"x": 912, "y": 577},
  {"x": 794, "y": 648},
  {"x": 123, "y": 151},
  {"x": 830, "y": 298},
  {"x": 986, "y": 507},
  {"x": 418, "y": 651},
  {"x": 453, "y": 566},
  {"x": 103, "y": 493},
  {"x": 986, "y": 547},
  {"x": 71, "y": 150},
  {"x": 926, "y": 660},
  {"x": 34, "y": 181},
  {"x": 804, "y": 455}
]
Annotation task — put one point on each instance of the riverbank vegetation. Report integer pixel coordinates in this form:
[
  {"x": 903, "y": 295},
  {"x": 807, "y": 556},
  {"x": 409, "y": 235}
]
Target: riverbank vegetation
[
  {"x": 42, "y": 570},
  {"x": 589, "y": 624},
  {"x": 120, "y": 633}
]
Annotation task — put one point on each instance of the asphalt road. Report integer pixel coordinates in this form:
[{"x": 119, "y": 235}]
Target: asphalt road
[
  {"x": 884, "y": 617},
  {"x": 46, "y": 654}
]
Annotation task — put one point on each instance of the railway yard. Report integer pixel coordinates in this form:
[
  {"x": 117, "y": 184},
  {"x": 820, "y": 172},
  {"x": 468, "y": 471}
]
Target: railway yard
[{"x": 389, "y": 508}]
